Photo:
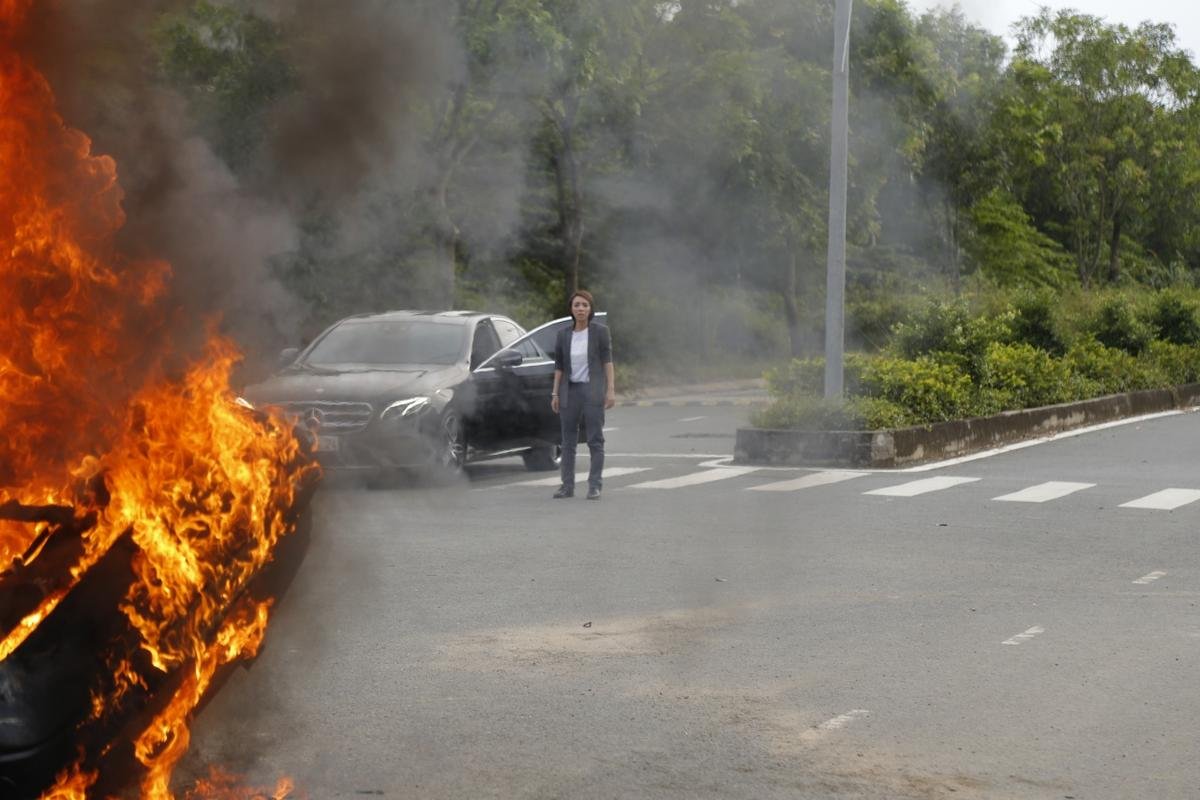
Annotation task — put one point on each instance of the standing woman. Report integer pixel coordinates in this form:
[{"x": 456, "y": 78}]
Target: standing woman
[{"x": 583, "y": 356}]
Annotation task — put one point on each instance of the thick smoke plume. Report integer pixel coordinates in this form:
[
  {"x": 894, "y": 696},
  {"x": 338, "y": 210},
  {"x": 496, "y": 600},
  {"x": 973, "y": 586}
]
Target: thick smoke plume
[{"x": 338, "y": 140}]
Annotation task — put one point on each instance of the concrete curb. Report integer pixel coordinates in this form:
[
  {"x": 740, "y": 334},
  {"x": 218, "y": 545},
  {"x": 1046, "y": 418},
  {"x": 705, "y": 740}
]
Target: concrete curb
[{"x": 908, "y": 446}]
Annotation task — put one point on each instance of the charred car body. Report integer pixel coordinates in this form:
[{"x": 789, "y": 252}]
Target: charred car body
[{"x": 413, "y": 389}]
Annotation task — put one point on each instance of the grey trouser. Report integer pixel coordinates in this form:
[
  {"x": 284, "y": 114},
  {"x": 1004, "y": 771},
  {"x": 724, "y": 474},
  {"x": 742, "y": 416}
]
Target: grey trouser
[{"x": 576, "y": 408}]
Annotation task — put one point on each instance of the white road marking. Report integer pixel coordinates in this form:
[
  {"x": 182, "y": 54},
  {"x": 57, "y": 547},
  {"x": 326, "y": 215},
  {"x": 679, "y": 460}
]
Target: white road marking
[
  {"x": 1166, "y": 500},
  {"x": 1020, "y": 638},
  {"x": 696, "y": 478},
  {"x": 692, "y": 419},
  {"x": 609, "y": 430},
  {"x": 723, "y": 457},
  {"x": 923, "y": 486},
  {"x": 1043, "y": 492},
  {"x": 837, "y": 723},
  {"x": 808, "y": 481},
  {"x": 615, "y": 472},
  {"x": 1151, "y": 578}
]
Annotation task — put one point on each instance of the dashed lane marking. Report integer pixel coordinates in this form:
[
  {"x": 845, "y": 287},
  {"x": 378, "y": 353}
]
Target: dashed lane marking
[
  {"x": 1166, "y": 500},
  {"x": 1044, "y": 492},
  {"x": 1021, "y": 638},
  {"x": 808, "y": 481},
  {"x": 1151, "y": 578},
  {"x": 923, "y": 486},
  {"x": 692, "y": 419},
  {"x": 696, "y": 478}
]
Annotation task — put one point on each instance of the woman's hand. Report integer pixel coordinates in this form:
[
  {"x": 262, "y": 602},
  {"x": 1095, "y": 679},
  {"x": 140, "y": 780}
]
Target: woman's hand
[
  {"x": 554, "y": 403},
  {"x": 610, "y": 398}
]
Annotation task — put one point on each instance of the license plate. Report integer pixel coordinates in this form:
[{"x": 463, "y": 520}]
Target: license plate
[{"x": 327, "y": 444}]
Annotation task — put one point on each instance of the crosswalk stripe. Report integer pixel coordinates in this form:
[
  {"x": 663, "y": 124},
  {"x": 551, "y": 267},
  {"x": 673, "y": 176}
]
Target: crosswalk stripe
[
  {"x": 1051, "y": 490},
  {"x": 696, "y": 478},
  {"x": 923, "y": 486},
  {"x": 615, "y": 472},
  {"x": 1166, "y": 500},
  {"x": 808, "y": 481}
]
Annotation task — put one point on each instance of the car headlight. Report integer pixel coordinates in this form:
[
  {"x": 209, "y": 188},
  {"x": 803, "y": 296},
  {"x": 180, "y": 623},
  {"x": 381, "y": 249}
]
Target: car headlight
[{"x": 404, "y": 408}]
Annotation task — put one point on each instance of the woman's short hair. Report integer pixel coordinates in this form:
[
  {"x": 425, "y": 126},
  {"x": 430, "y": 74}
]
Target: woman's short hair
[{"x": 586, "y": 295}]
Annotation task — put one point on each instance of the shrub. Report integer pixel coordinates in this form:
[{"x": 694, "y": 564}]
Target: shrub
[
  {"x": 1098, "y": 370},
  {"x": 1175, "y": 318},
  {"x": 938, "y": 327},
  {"x": 1035, "y": 321},
  {"x": 949, "y": 333},
  {"x": 1173, "y": 363},
  {"x": 1117, "y": 325},
  {"x": 810, "y": 413},
  {"x": 799, "y": 376},
  {"x": 1021, "y": 376},
  {"x": 930, "y": 391}
]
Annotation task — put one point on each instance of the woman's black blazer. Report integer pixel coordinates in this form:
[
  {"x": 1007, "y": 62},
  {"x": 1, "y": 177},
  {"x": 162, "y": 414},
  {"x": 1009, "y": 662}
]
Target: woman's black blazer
[{"x": 599, "y": 354}]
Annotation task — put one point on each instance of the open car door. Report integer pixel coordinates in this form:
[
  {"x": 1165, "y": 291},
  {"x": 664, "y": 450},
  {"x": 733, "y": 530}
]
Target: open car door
[{"x": 535, "y": 420}]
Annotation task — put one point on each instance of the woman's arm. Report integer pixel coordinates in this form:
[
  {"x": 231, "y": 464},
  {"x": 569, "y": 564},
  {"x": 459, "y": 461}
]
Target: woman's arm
[
  {"x": 610, "y": 396},
  {"x": 554, "y": 392}
]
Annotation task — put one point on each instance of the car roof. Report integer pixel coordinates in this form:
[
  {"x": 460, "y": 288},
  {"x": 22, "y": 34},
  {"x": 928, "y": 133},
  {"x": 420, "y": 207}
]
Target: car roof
[{"x": 412, "y": 314}]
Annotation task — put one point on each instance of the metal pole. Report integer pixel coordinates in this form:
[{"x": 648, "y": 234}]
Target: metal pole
[{"x": 835, "y": 273}]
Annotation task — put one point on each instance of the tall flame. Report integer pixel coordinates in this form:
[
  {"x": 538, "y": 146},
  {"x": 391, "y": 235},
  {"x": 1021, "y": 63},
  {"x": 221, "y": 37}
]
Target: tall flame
[{"x": 203, "y": 488}]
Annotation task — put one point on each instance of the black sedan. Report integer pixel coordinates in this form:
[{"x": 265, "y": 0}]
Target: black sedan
[{"x": 412, "y": 389}]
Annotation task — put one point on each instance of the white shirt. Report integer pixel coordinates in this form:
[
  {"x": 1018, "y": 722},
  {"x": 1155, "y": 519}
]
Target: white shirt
[{"x": 579, "y": 356}]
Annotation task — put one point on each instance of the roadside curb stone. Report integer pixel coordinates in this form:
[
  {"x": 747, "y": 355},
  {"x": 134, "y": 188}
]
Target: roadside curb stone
[{"x": 900, "y": 447}]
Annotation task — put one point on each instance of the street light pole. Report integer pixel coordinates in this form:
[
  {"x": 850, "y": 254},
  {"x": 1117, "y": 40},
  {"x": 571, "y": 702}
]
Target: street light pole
[{"x": 835, "y": 273}]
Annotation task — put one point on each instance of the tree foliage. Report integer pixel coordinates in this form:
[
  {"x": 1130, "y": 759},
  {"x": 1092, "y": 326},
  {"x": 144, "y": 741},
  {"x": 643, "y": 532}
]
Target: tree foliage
[{"x": 674, "y": 155}]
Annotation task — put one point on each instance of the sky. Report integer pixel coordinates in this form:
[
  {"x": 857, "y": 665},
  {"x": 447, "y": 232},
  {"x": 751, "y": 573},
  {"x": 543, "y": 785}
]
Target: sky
[{"x": 998, "y": 15}]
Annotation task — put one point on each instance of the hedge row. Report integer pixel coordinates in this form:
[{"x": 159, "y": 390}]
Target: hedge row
[{"x": 945, "y": 363}]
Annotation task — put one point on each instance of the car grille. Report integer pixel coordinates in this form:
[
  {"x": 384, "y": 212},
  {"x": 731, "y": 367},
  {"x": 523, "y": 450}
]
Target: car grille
[{"x": 330, "y": 417}]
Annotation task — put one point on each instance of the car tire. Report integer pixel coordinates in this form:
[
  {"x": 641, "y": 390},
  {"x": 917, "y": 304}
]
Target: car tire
[
  {"x": 450, "y": 447},
  {"x": 542, "y": 459}
]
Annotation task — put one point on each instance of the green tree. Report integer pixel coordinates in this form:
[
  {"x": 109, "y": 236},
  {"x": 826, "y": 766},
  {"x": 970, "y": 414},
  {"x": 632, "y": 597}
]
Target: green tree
[{"x": 1106, "y": 92}]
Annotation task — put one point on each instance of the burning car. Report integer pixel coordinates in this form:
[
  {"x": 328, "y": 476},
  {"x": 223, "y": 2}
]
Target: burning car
[
  {"x": 142, "y": 508},
  {"x": 407, "y": 389}
]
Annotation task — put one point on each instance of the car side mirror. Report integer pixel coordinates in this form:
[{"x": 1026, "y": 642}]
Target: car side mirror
[
  {"x": 288, "y": 356},
  {"x": 507, "y": 359}
]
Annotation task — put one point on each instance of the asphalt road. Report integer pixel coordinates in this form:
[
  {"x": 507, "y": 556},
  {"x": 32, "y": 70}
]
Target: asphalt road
[{"x": 710, "y": 632}]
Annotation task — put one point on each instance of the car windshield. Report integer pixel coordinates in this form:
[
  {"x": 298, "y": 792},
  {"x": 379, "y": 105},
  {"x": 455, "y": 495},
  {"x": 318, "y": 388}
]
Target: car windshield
[{"x": 389, "y": 343}]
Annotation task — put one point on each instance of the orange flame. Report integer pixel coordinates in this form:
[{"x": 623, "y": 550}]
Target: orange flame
[{"x": 203, "y": 488}]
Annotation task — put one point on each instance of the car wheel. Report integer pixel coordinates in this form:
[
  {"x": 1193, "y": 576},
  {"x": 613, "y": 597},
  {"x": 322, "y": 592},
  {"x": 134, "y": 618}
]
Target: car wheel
[
  {"x": 450, "y": 449},
  {"x": 542, "y": 459}
]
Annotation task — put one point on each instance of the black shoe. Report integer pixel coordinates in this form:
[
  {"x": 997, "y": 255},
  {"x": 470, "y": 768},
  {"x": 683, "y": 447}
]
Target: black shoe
[
  {"x": 563, "y": 492},
  {"x": 593, "y": 493}
]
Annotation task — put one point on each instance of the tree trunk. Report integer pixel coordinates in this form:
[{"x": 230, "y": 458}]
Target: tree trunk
[
  {"x": 791, "y": 309},
  {"x": 445, "y": 245},
  {"x": 1114, "y": 252},
  {"x": 570, "y": 207}
]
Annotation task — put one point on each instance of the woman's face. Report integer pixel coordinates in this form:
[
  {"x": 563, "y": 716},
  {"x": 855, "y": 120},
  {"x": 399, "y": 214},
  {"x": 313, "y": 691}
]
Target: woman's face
[{"x": 580, "y": 309}]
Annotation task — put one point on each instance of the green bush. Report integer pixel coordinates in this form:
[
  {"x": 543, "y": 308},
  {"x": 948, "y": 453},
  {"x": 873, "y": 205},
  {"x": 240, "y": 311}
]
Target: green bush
[
  {"x": 1035, "y": 321},
  {"x": 1033, "y": 348},
  {"x": 1021, "y": 376},
  {"x": 1098, "y": 370},
  {"x": 1175, "y": 318},
  {"x": 800, "y": 376},
  {"x": 928, "y": 390},
  {"x": 810, "y": 413},
  {"x": 951, "y": 334},
  {"x": 1173, "y": 363},
  {"x": 1116, "y": 324}
]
